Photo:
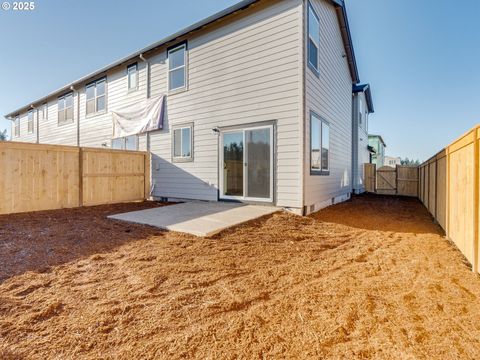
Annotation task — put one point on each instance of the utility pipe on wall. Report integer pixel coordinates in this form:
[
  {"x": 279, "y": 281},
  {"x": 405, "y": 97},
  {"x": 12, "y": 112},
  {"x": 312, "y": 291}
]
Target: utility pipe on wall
[{"x": 78, "y": 113}]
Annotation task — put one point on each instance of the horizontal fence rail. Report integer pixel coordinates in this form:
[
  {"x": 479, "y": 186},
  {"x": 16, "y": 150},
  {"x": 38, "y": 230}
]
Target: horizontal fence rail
[
  {"x": 36, "y": 177},
  {"x": 449, "y": 189}
]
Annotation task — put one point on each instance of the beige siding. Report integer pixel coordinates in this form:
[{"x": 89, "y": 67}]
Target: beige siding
[
  {"x": 245, "y": 69},
  {"x": 330, "y": 96}
]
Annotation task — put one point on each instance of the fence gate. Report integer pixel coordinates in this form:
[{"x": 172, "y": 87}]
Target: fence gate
[
  {"x": 401, "y": 180},
  {"x": 387, "y": 181}
]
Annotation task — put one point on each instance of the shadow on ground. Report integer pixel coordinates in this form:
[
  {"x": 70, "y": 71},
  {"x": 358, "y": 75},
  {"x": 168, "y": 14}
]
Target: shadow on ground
[
  {"x": 40, "y": 240},
  {"x": 382, "y": 213}
]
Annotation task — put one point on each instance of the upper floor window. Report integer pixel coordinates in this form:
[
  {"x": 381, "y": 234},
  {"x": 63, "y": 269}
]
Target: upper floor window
[
  {"x": 132, "y": 75},
  {"x": 17, "y": 126},
  {"x": 313, "y": 39},
  {"x": 96, "y": 98},
  {"x": 177, "y": 68},
  {"x": 319, "y": 146},
  {"x": 182, "y": 143},
  {"x": 65, "y": 109},
  {"x": 30, "y": 122}
]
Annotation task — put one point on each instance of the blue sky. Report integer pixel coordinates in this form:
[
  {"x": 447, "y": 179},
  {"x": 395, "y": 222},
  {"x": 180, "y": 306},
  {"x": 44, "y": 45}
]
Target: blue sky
[{"x": 421, "y": 60}]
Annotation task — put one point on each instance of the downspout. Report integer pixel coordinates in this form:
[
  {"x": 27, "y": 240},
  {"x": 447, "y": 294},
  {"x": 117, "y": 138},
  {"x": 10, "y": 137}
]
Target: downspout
[
  {"x": 147, "y": 63},
  {"x": 38, "y": 128},
  {"x": 303, "y": 120},
  {"x": 78, "y": 114},
  {"x": 35, "y": 110}
]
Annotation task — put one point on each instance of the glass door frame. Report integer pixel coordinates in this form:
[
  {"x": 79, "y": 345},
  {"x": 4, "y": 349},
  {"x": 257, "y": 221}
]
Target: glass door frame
[{"x": 245, "y": 164}]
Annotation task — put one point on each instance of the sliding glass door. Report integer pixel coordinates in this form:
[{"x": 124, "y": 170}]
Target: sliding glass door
[{"x": 247, "y": 164}]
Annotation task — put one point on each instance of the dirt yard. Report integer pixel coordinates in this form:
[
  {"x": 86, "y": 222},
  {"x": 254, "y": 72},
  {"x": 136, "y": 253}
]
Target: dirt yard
[{"x": 371, "y": 278}]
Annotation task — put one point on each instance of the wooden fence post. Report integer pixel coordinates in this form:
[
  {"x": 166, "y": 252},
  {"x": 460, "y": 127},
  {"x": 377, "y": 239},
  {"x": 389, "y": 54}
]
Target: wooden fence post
[
  {"x": 476, "y": 202},
  {"x": 80, "y": 176},
  {"x": 147, "y": 175}
]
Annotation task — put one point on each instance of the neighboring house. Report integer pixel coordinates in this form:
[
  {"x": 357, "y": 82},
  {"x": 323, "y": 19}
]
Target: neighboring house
[
  {"x": 362, "y": 108},
  {"x": 378, "y": 145},
  {"x": 392, "y": 161},
  {"x": 258, "y": 106}
]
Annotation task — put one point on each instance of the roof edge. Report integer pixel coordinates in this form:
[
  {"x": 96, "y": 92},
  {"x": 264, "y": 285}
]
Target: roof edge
[
  {"x": 341, "y": 13},
  {"x": 196, "y": 26}
]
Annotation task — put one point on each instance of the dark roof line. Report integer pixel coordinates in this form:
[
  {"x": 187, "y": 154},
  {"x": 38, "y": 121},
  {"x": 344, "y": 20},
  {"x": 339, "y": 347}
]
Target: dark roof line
[
  {"x": 341, "y": 12},
  {"x": 368, "y": 95}
]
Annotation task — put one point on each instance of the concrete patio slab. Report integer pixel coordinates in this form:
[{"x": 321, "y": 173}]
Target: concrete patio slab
[{"x": 197, "y": 218}]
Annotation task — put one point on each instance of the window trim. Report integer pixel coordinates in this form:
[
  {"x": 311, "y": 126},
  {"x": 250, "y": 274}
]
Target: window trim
[
  {"x": 319, "y": 172},
  {"x": 124, "y": 140},
  {"x": 16, "y": 129},
  {"x": 315, "y": 70},
  {"x": 31, "y": 121},
  {"x": 94, "y": 83},
  {"x": 131, "y": 66},
  {"x": 65, "y": 121},
  {"x": 182, "y": 159},
  {"x": 185, "y": 68}
]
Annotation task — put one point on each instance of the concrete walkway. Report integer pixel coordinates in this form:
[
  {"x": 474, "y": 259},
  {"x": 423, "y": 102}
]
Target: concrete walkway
[{"x": 197, "y": 218}]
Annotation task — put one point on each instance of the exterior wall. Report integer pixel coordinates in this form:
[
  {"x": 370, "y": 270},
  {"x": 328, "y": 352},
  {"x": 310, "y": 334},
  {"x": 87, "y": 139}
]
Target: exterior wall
[
  {"x": 360, "y": 153},
  {"x": 330, "y": 96},
  {"x": 244, "y": 69}
]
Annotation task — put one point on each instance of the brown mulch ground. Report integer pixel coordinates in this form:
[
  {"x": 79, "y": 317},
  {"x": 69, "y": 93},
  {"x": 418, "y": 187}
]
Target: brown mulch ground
[{"x": 371, "y": 278}]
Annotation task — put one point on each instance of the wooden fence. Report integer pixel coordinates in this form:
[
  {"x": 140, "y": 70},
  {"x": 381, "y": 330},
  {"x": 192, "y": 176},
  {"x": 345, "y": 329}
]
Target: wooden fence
[
  {"x": 449, "y": 188},
  {"x": 37, "y": 177},
  {"x": 401, "y": 180}
]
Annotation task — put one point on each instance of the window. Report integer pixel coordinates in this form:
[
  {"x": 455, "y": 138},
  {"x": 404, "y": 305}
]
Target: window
[
  {"x": 126, "y": 143},
  {"x": 65, "y": 109},
  {"x": 42, "y": 112},
  {"x": 313, "y": 39},
  {"x": 17, "y": 126},
  {"x": 132, "y": 75},
  {"x": 96, "y": 99},
  {"x": 182, "y": 143},
  {"x": 30, "y": 122},
  {"x": 319, "y": 146},
  {"x": 177, "y": 68}
]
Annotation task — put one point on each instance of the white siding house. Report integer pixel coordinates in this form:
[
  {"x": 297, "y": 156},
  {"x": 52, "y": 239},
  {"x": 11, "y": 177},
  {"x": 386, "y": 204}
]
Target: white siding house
[
  {"x": 241, "y": 98},
  {"x": 362, "y": 108}
]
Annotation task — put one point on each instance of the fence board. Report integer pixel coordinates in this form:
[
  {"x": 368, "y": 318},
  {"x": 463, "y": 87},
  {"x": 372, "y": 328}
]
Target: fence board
[
  {"x": 455, "y": 192},
  {"x": 370, "y": 180},
  {"x": 37, "y": 177},
  {"x": 407, "y": 180}
]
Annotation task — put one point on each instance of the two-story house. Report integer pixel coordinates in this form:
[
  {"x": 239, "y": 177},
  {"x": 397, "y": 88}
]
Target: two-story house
[
  {"x": 378, "y": 145},
  {"x": 252, "y": 104}
]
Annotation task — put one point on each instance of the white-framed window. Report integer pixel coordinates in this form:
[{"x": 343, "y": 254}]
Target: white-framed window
[
  {"x": 65, "y": 109},
  {"x": 132, "y": 77},
  {"x": 319, "y": 145},
  {"x": 126, "y": 143},
  {"x": 313, "y": 39},
  {"x": 17, "y": 126},
  {"x": 182, "y": 143},
  {"x": 177, "y": 68},
  {"x": 31, "y": 126},
  {"x": 96, "y": 96}
]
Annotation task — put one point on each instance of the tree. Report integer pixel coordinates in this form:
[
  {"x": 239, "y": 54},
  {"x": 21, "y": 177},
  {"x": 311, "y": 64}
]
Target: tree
[
  {"x": 3, "y": 135},
  {"x": 410, "y": 162}
]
